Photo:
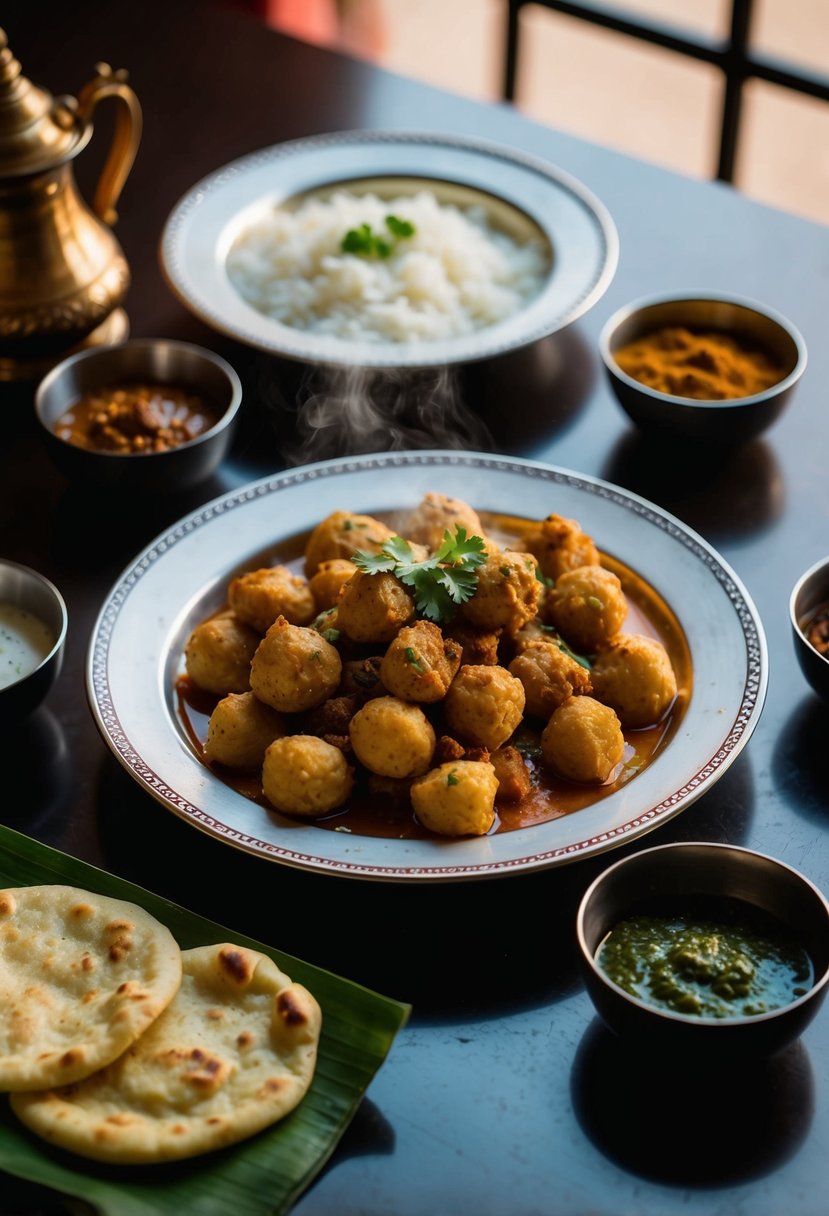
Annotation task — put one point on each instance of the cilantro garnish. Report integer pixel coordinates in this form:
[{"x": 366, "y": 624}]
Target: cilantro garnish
[
  {"x": 414, "y": 661},
  {"x": 440, "y": 582},
  {"x": 366, "y": 243},
  {"x": 452, "y": 778}
]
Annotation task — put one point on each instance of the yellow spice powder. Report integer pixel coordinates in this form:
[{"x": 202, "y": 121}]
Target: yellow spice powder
[{"x": 706, "y": 366}]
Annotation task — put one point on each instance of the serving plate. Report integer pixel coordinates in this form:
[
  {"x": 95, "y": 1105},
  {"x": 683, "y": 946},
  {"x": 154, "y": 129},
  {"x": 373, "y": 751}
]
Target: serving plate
[
  {"x": 136, "y": 648},
  {"x": 524, "y": 195}
]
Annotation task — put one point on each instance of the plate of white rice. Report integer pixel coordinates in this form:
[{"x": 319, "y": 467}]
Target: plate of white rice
[{"x": 388, "y": 249}]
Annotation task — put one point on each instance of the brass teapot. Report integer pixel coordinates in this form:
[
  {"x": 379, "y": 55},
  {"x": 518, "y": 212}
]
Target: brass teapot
[{"x": 63, "y": 275}]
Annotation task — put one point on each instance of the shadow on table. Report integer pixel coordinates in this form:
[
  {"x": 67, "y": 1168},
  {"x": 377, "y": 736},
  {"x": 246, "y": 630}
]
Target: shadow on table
[
  {"x": 36, "y": 752},
  {"x": 452, "y": 950},
  {"x": 508, "y": 404},
  {"x": 798, "y": 762},
  {"x": 684, "y": 1125},
  {"x": 723, "y": 493}
]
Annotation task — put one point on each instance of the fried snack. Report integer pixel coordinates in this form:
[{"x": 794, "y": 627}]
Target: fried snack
[
  {"x": 294, "y": 668},
  {"x": 549, "y": 676},
  {"x": 420, "y": 664},
  {"x": 436, "y": 514},
  {"x": 484, "y": 705},
  {"x": 240, "y": 729},
  {"x": 559, "y": 544},
  {"x": 507, "y": 594},
  {"x": 233, "y": 1053},
  {"x": 218, "y": 654},
  {"x": 260, "y": 596},
  {"x": 392, "y": 738},
  {"x": 81, "y": 977},
  {"x": 583, "y": 741},
  {"x": 457, "y": 799},
  {"x": 633, "y": 675},
  {"x": 342, "y": 534},
  {"x": 587, "y": 607},
  {"x": 304, "y": 775}
]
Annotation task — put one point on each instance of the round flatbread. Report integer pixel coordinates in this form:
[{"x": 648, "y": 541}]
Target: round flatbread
[
  {"x": 81, "y": 977},
  {"x": 234, "y": 1052}
]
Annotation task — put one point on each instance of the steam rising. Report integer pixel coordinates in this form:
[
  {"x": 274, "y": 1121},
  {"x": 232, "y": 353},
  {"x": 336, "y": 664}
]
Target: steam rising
[{"x": 350, "y": 410}]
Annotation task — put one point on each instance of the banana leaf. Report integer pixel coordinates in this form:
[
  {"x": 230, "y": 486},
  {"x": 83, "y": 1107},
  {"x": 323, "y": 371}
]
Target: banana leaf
[{"x": 264, "y": 1174}]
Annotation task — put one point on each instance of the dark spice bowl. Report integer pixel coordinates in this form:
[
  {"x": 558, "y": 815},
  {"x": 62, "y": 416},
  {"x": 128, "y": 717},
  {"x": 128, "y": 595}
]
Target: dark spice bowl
[
  {"x": 810, "y": 598},
  {"x": 731, "y": 420},
  {"x": 155, "y": 361},
  {"x": 682, "y": 875}
]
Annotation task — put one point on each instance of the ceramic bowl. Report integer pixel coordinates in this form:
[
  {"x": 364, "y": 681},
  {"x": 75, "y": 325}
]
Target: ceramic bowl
[
  {"x": 28, "y": 602},
  {"x": 680, "y": 872},
  {"x": 809, "y": 593},
  {"x": 728, "y": 421},
  {"x": 153, "y": 360}
]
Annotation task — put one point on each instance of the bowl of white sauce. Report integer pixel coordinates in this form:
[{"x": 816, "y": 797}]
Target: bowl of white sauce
[{"x": 33, "y": 623}]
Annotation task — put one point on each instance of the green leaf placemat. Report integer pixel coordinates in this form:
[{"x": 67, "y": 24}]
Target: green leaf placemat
[{"x": 262, "y": 1175}]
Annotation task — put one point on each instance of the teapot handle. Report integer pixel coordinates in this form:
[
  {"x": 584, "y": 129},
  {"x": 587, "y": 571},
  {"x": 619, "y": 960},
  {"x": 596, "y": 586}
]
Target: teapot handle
[{"x": 125, "y": 140}]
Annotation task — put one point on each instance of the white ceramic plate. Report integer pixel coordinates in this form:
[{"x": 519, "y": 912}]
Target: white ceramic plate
[
  {"x": 138, "y": 640},
  {"x": 524, "y": 195}
]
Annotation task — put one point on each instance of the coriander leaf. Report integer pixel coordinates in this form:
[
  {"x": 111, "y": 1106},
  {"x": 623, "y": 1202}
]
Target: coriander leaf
[
  {"x": 399, "y": 228},
  {"x": 461, "y": 548},
  {"x": 358, "y": 240},
  {"x": 414, "y": 661},
  {"x": 374, "y": 563},
  {"x": 460, "y": 584},
  {"x": 562, "y": 645},
  {"x": 452, "y": 778}
]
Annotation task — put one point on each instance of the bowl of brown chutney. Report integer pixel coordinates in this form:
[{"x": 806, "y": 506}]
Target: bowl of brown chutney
[
  {"x": 809, "y": 617},
  {"x": 704, "y": 367},
  {"x": 149, "y": 414}
]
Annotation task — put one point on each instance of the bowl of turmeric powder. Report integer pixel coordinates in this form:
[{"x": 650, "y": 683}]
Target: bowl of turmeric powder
[{"x": 702, "y": 367}]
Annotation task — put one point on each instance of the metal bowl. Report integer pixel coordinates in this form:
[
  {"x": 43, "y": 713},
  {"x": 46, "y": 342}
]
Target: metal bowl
[
  {"x": 523, "y": 196},
  {"x": 727, "y": 421},
  {"x": 157, "y": 360},
  {"x": 680, "y": 871},
  {"x": 23, "y": 588},
  {"x": 810, "y": 591}
]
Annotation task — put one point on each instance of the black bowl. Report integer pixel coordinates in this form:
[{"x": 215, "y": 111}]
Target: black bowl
[
  {"x": 693, "y": 871},
  {"x": 729, "y": 421},
  {"x": 23, "y": 588},
  {"x": 810, "y": 592},
  {"x": 157, "y": 360}
]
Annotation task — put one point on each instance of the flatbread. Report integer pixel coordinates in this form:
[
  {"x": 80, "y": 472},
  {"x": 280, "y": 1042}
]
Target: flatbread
[
  {"x": 81, "y": 977},
  {"x": 233, "y": 1053}
]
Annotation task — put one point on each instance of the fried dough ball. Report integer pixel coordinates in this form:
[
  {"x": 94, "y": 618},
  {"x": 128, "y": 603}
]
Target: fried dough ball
[
  {"x": 342, "y": 534},
  {"x": 260, "y": 596},
  {"x": 392, "y": 737},
  {"x": 240, "y": 729},
  {"x": 326, "y": 583},
  {"x": 534, "y": 631},
  {"x": 583, "y": 741},
  {"x": 294, "y": 668},
  {"x": 633, "y": 675},
  {"x": 438, "y": 513},
  {"x": 304, "y": 775},
  {"x": 549, "y": 676},
  {"x": 478, "y": 646},
  {"x": 457, "y": 799},
  {"x": 420, "y": 664},
  {"x": 484, "y": 705},
  {"x": 559, "y": 545},
  {"x": 373, "y": 607},
  {"x": 218, "y": 654},
  {"x": 587, "y": 607},
  {"x": 507, "y": 594},
  {"x": 514, "y": 780}
]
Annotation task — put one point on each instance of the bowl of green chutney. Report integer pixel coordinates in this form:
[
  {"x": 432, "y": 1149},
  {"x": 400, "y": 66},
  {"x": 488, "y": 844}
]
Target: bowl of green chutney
[{"x": 705, "y": 947}]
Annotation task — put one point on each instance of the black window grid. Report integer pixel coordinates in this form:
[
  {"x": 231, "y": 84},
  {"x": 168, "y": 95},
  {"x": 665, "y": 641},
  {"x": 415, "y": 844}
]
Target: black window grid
[{"x": 733, "y": 56}]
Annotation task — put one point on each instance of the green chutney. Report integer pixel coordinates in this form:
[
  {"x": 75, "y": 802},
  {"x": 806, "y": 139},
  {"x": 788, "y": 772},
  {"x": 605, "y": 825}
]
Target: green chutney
[{"x": 713, "y": 959}]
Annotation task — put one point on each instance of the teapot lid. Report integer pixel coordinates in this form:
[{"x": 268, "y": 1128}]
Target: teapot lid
[{"x": 36, "y": 130}]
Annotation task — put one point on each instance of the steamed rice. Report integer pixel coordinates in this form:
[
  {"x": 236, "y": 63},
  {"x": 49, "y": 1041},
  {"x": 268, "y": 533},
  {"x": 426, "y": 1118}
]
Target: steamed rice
[{"x": 456, "y": 274}]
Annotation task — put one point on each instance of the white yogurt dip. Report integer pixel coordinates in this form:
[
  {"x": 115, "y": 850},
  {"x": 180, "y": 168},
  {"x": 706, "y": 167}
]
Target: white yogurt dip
[{"x": 24, "y": 643}]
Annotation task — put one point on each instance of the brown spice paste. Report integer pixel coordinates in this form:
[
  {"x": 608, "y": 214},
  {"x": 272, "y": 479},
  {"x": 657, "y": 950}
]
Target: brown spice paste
[
  {"x": 135, "y": 418},
  {"x": 706, "y": 366}
]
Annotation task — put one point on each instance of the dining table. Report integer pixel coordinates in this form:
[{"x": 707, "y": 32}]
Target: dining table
[{"x": 504, "y": 1094}]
